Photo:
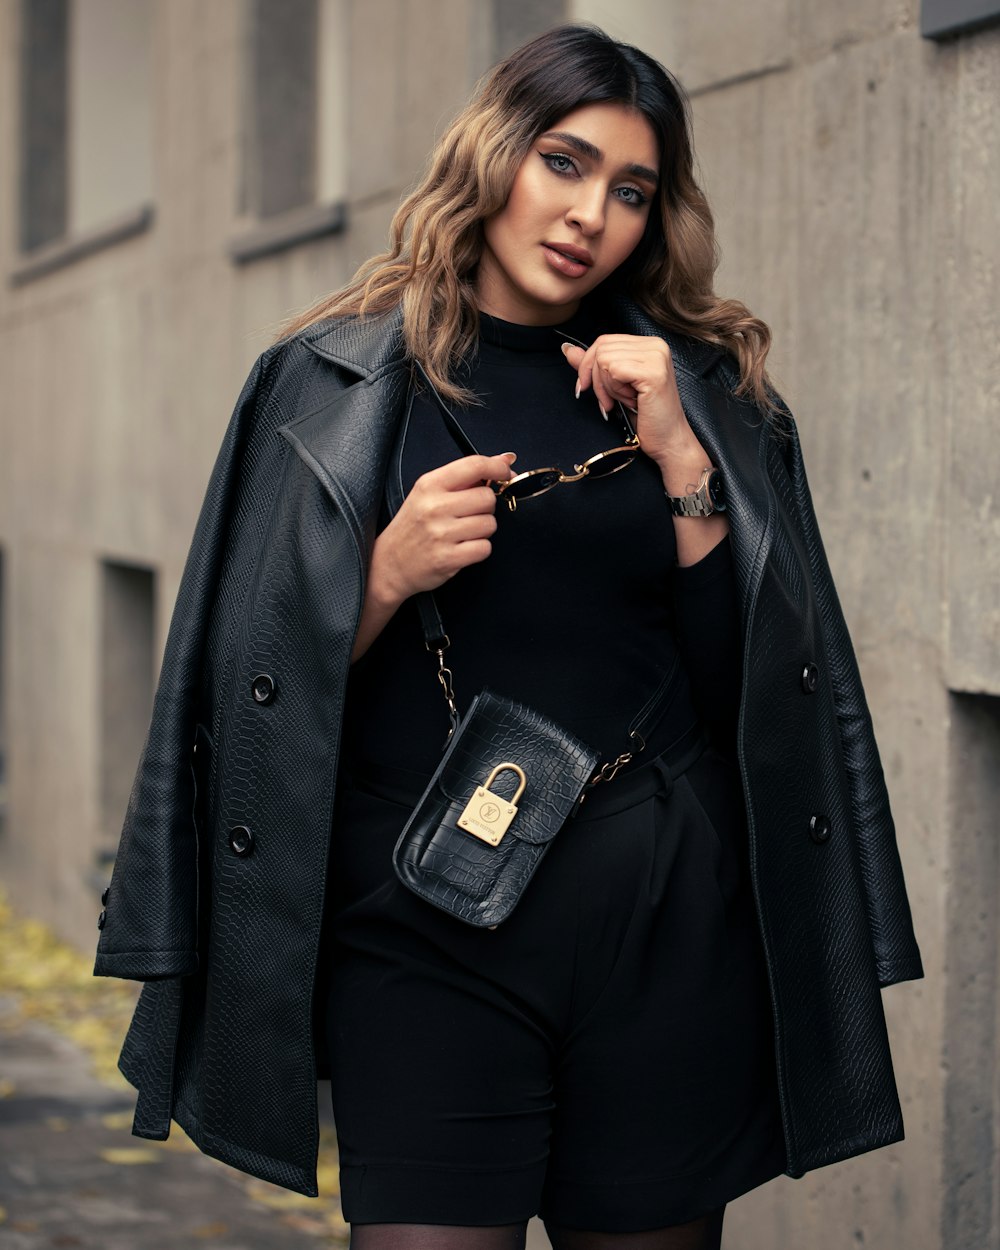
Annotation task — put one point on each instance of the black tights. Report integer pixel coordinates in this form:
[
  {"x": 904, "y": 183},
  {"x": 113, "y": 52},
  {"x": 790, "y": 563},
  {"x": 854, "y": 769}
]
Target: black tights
[{"x": 704, "y": 1233}]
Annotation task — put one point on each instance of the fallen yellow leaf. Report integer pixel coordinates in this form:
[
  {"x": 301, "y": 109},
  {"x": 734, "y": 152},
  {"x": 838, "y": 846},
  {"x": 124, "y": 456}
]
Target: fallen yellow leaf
[
  {"x": 277, "y": 1198},
  {"x": 117, "y": 1119},
  {"x": 328, "y": 1178},
  {"x": 337, "y": 1224},
  {"x": 302, "y": 1223},
  {"x": 176, "y": 1141},
  {"x": 129, "y": 1154}
]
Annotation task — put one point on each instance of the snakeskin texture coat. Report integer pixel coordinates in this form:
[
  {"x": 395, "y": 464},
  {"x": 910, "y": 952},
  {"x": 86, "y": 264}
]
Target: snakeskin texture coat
[{"x": 216, "y": 900}]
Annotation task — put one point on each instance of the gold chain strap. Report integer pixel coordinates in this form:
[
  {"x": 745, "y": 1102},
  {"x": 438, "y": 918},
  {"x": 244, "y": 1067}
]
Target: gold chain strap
[
  {"x": 444, "y": 677},
  {"x": 607, "y": 771}
]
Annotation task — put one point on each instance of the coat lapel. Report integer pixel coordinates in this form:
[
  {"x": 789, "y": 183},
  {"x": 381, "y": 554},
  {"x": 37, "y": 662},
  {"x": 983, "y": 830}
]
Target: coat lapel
[{"x": 347, "y": 438}]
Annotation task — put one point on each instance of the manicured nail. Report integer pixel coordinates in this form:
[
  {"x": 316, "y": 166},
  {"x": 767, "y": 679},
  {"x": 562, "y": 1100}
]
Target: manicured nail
[
  {"x": 603, "y": 413},
  {"x": 578, "y": 388},
  {"x": 564, "y": 348},
  {"x": 510, "y": 456}
]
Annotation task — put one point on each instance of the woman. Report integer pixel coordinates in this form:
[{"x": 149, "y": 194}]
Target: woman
[{"x": 685, "y": 1002}]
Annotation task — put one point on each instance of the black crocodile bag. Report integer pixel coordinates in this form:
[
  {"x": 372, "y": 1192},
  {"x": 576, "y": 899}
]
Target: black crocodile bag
[{"x": 508, "y": 781}]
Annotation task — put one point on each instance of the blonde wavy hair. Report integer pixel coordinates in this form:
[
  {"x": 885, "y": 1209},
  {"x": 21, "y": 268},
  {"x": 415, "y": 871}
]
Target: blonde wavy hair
[{"x": 436, "y": 236}]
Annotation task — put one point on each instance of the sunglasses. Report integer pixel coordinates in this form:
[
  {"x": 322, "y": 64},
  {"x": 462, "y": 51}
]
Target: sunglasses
[{"x": 533, "y": 482}]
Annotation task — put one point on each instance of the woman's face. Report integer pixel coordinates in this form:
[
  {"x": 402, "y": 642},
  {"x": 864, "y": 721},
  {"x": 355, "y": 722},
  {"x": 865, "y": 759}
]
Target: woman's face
[{"x": 576, "y": 211}]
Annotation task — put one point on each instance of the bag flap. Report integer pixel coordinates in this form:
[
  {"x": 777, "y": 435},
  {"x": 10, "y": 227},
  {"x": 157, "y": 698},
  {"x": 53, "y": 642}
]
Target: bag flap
[{"x": 556, "y": 764}]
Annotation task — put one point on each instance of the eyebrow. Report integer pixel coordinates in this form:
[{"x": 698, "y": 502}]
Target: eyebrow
[{"x": 588, "y": 149}]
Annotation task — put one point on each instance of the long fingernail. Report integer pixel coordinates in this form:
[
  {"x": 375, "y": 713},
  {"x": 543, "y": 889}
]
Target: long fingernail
[
  {"x": 564, "y": 348},
  {"x": 509, "y": 455},
  {"x": 603, "y": 413},
  {"x": 578, "y": 388}
]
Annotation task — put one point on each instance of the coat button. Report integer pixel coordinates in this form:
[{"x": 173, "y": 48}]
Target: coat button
[
  {"x": 262, "y": 688},
  {"x": 241, "y": 840},
  {"x": 104, "y": 896},
  {"x": 810, "y": 678},
  {"x": 819, "y": 828},
  {"x": 101, "y": 919}
]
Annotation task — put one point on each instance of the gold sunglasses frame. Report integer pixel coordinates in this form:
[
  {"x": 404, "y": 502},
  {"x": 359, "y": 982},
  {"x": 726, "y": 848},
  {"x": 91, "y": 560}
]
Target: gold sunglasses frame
[{"x": 581, "y": 471}]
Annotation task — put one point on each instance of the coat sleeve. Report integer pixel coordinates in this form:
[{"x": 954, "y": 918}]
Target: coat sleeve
[
  {"x": 896, "y": 953},
  {"x": 150, "y": 922}
]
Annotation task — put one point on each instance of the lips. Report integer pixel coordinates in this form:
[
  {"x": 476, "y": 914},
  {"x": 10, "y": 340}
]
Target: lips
[
  {"x": 567, "y": 260},
  {"x": 570, "y": 250}
]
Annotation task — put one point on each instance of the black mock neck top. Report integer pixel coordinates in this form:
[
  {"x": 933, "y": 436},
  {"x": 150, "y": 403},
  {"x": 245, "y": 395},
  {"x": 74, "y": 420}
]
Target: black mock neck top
[{"x": 580, "y": 610}]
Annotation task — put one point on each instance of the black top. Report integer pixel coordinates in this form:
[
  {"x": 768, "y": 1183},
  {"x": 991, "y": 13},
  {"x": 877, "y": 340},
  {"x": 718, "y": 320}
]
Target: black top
[{"x": 580, "y": 608}]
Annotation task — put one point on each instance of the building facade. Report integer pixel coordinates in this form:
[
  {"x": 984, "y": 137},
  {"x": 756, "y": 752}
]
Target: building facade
[{"x": 176, "y": 177}]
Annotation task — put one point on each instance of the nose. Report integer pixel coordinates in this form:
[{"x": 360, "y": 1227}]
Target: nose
[{"x": 587, "y": 209}]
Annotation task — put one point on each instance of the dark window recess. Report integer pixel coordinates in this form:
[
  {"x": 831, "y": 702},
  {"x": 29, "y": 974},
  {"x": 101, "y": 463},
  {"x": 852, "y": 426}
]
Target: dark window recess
[
  {"x": 966, "y": 833},
  {"x": 3, "y": 697},
  {"x": 280, "y": 164},
  {"x": 128, "y": 595},
  {"x": 939, "y": 18},
  {"x": 84, "y": 128},
  {"x": 517, "y": 21},
  {"x": 43, "y": 121}
]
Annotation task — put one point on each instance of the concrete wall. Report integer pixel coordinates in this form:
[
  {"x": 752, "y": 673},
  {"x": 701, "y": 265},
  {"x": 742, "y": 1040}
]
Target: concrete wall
[{"x": 853, "y": 170}]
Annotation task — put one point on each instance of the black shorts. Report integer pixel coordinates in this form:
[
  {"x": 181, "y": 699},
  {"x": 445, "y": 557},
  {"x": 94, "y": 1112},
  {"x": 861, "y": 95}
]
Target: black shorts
[{"x": 604, "y": 1058}]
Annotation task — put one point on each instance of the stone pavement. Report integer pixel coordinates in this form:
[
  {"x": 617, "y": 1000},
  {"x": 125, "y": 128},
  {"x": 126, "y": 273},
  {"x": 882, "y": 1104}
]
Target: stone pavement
[{"x": 72, "y": 1174}]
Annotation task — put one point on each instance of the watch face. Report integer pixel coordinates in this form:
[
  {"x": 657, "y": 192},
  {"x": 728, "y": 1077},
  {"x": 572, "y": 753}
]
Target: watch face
[{"x": 715, "y": 491}]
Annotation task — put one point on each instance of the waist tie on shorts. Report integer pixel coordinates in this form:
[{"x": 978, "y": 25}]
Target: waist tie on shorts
[{"x": 628, "y": 787}]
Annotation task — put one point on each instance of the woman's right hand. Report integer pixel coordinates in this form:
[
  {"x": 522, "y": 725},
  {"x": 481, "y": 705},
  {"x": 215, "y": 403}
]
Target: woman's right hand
[{"x": 443, "y": 524}]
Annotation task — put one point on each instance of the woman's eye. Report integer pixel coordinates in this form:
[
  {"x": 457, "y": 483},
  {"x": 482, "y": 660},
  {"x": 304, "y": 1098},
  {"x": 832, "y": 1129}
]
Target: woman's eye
[
  {"x": 559, "y": 163},
  {"x": 632, "y": 195}
]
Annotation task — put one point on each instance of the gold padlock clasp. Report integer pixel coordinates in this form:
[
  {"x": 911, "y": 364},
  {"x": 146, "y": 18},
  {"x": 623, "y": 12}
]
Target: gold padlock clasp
[{"x": 487, "y": 815}]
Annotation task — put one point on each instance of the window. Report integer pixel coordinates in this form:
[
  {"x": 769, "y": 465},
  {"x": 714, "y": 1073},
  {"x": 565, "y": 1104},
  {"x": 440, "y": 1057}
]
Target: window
[
  {"x": 44, "y": 82},
  {"x": 294, "y": 147},
  {"x": 3, "y": 700},
  {"x": 126, "y": 683},
  {"x": 949, "y": 17},
  {"x": 85, "y": 124}
]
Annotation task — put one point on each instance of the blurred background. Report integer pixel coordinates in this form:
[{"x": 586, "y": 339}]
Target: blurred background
[{"x": 178, "y": 175}]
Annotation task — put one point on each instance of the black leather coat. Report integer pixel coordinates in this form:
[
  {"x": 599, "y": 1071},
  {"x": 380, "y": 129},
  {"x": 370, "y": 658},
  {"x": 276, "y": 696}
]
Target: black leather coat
[{"x": 217, "y": 894}]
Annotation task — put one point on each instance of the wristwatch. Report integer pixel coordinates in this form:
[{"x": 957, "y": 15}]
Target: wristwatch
[{"x": 708, "y": 498}]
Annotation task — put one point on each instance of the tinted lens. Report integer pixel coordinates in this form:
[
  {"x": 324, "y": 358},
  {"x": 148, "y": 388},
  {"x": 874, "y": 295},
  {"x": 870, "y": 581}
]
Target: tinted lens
[
  {"x": 533, "y": 484},
  {"x": 612, "y": 461}
]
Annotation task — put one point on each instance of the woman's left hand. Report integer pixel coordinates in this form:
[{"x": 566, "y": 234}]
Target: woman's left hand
[{"x": 638, "y": 371}]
